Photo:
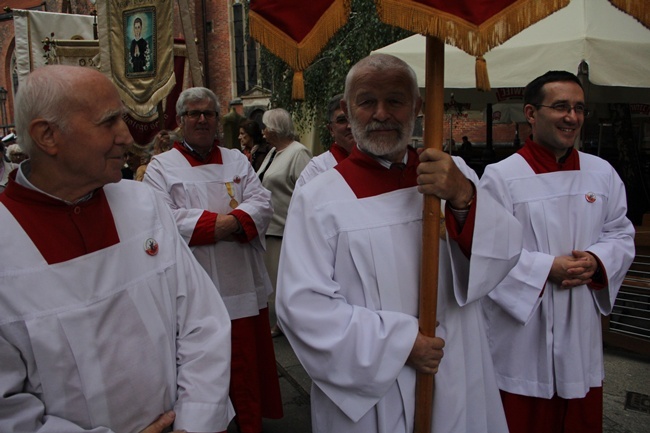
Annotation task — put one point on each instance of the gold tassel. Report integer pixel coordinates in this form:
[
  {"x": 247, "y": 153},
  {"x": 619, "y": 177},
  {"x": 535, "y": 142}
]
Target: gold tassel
[
  {"x": 298, "y": 87},
  {"x": 481, "y": 72},
  {"x": 637, "y": 8}
]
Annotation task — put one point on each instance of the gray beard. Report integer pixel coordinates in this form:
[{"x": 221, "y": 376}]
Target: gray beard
[{"x": 382, "y": 146}]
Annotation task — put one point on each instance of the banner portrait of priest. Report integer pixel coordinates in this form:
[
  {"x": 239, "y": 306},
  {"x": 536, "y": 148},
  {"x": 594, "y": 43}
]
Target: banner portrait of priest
[{"x": 139, "y": 40}]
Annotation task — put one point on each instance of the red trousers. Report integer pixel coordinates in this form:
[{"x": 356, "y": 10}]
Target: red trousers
[
  {"x": 556, "y": 415},
  {"x": 254, "y": 384}
]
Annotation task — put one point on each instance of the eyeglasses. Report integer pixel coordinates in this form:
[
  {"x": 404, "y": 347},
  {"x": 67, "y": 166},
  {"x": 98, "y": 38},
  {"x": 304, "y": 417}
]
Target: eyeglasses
[
  {"x": 340, "y": 120},
  {"x": 195, "y": 114},
  {"x": 565, "y": 108}
]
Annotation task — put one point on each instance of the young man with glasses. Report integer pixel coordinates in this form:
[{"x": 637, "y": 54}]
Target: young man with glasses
[
  {"x": 223, "y": 211},
  {"x": 544, "y": 317}
]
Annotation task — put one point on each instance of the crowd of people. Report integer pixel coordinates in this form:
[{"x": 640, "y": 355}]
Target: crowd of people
[{"x": 150, "y": 306}]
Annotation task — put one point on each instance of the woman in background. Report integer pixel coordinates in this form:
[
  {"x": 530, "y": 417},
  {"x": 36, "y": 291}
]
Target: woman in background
[
  {"x": 253, "y": 143},
  {"x": 279, "y": 172}
]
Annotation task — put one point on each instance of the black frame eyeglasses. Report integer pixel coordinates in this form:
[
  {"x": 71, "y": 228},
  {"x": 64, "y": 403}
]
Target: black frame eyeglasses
[
  {"x": 196, "y": 114},
  {"x": 566, "y": 108}
]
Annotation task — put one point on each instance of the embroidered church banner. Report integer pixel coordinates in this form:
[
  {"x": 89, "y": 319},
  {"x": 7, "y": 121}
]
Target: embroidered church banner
[
  {"x": 32, "y": 28},
  {"x": 136, "y": 48}
]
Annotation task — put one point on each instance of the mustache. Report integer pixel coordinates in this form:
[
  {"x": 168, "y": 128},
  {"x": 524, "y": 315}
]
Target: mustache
[{"x": 376, "y": 126}]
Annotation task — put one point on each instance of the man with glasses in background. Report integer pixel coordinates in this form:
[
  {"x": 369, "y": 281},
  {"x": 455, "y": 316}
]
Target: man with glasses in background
[
  {"x": 222, "y": 211},
  {"x": 339, "y": 128},
  {"x": 543, "y": 319}
]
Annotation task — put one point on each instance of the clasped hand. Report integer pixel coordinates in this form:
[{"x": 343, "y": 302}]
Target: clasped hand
[{"x": 574, "y": 270}]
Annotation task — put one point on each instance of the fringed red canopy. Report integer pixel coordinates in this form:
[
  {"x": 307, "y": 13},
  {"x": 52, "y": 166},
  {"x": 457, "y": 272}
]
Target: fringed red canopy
[
  {"x": 297, "y": 30},
  {"x": 473, "y": 26}
]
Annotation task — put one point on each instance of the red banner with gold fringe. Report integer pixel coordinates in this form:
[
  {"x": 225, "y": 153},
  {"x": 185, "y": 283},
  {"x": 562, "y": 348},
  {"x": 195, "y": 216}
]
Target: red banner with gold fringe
[
  {"x": 474, "y": 26},
  {"x": 296, "y": 31}
]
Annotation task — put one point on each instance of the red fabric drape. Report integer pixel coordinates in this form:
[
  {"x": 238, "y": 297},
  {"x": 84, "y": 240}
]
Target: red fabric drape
[
  {"x": 475, "y": 12},
  {"x": 296, "y": 30},
  {"x": 296, "y": 18},
  {"x": 474, "y": 26}
]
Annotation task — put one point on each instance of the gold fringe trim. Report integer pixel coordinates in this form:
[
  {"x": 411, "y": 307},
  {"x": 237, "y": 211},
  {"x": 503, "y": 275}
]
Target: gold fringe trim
[
  {"x": 474, "y": 40},
  {"x": 299, "y": 54},
  {"x": 298, "y": 86},
  {"x": 481, "y": 72},
  {"x": 146, "y": 111},
  {"x": 639, "y": 9}
]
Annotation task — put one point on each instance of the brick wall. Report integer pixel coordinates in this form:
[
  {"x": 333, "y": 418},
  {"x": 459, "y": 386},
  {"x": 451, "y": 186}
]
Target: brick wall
[
  {"x": 475, "y": 130},
  {"x": 219, "y": 51}
]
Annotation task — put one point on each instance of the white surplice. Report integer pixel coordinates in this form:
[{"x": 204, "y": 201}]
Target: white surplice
[
  {"x": 108, "y": 341},
  {"x": 347, "y": 299},
  {"x": 189, "y": 191},
  {"x": 316, "y": 166},
  {"x": 552, "y": 343}
]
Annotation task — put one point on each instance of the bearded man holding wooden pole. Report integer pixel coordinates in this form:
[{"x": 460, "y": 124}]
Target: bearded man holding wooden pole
[{"x": 347, "y": 293}]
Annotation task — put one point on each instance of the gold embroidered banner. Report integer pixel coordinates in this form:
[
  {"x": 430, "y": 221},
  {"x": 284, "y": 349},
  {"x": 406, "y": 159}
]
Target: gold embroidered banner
[{"x": 136, "y": 48}]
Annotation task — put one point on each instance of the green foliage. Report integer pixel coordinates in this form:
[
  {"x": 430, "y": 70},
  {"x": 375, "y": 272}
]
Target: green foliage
[{"x": 325, "y": 77}]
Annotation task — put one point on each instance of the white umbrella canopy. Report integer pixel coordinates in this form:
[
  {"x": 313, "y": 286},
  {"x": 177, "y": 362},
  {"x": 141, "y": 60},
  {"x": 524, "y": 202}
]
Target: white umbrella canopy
[{"x": 614, "y": 45}]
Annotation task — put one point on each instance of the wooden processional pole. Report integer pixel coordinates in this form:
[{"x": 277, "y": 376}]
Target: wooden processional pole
[
  {"x": 433, "y": 116},
  {"x": 190, "y": 43}
]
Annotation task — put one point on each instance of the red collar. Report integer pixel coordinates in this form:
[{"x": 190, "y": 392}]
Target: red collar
[
  {"x": 213, "y": 157},
  {"x": 542, "y": 160},
  {"x": 338, "y": 152},
  {"x": 59, "y": 230},
  {"x": 368, "y": 178}
]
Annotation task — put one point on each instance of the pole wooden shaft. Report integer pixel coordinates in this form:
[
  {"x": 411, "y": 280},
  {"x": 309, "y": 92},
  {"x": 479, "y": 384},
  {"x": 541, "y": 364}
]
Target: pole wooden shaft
[
  {"x": 433, "y": 116},
  {"x": 190, "y": 43}
]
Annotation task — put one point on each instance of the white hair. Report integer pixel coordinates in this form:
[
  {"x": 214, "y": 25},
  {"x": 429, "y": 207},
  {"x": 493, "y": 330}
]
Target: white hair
[
  {"x": 379, "y": 63},
  {"x": 48, "y": 94},
  {"x": 195, "y": 94},
  {"x": 279, "y": 121}
]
